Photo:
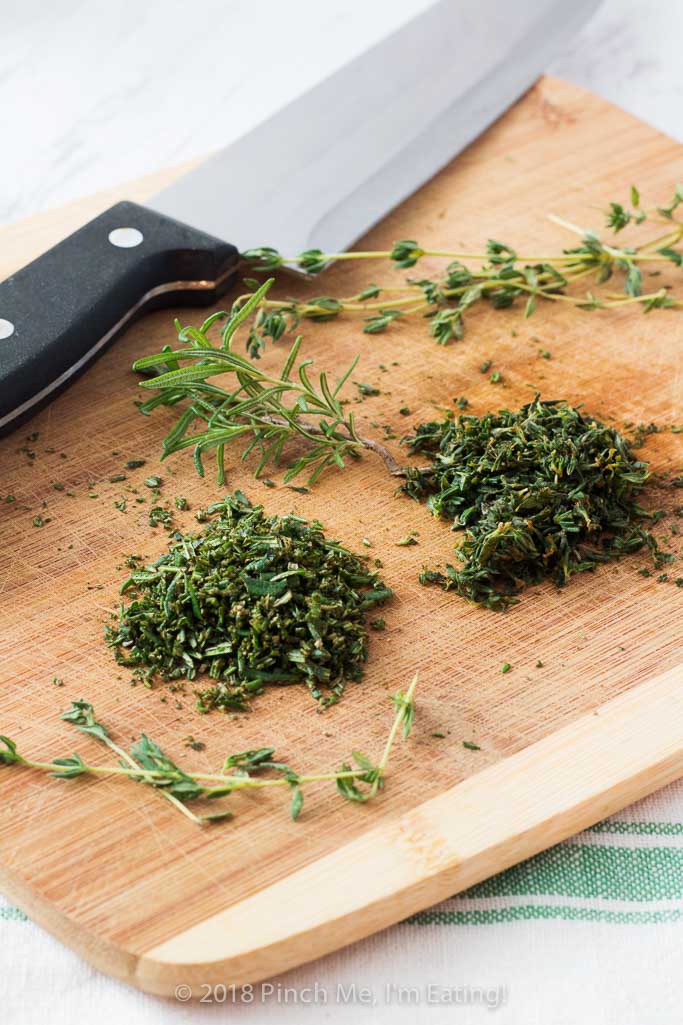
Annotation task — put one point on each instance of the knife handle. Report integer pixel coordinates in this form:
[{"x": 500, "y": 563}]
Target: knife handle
[{"x": 60, "y": 312}]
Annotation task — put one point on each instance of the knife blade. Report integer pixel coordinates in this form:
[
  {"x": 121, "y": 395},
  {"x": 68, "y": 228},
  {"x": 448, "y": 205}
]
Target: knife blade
[{"x": 317, "y": 173}]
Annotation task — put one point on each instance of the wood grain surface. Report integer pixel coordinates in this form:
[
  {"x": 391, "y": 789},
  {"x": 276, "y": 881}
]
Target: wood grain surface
[{"x": 116, "y": 871}]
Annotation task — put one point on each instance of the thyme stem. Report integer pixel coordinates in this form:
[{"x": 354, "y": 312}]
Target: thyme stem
[{"x": 179, "y": 787}]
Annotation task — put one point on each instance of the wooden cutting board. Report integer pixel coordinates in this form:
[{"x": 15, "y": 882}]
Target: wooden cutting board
[{"x": 144, "y": 894}]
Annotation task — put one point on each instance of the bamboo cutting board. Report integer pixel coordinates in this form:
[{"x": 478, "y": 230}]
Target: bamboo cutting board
[{"x": 147, "y": 896}]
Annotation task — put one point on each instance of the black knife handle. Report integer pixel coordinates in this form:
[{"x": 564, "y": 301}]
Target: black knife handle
[{"x": 60, "y": 312}]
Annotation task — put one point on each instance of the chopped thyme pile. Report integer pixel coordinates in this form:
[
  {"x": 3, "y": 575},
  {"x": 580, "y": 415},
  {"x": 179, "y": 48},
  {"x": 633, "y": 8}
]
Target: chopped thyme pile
[
  {"x": 252, "y": 600},
  {"x": 546, "y": 491}
]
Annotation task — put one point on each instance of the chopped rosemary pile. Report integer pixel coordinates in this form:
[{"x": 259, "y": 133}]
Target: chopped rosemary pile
[
  {"x": 546, "y": 491},
  {"x": 252, "y": 600},
  {"x": 246, "y": 770}
]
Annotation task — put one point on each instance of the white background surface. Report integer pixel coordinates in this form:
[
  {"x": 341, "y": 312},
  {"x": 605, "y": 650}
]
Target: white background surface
[{"x": 93, "y": 92}]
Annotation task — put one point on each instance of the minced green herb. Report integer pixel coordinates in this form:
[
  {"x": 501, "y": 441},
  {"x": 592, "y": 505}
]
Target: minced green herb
[
  {"x": 546, "y": 491},
  {"x": 366, "y": 390},
  {"x": 158, "y": 514},
  {"x": 252, "y": 600}
]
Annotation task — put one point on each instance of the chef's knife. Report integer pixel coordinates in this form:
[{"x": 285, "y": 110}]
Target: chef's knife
[{"x": 315, "y": 174}]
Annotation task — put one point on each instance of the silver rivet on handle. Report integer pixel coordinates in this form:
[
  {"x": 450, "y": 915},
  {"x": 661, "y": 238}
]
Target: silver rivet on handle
[
  {"x": 126, "y": 238},
  {"x": 6, "y": 329}
]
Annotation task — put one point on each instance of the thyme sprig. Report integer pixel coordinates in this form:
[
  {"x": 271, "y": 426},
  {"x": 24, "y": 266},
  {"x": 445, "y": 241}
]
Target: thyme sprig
[
  {"x": 244, "y": 770},
  {"x": 503, "y": 277},
  {"x": 266, "y": 411}
]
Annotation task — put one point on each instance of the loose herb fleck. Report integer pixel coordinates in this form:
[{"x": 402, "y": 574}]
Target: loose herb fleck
[
  {"x": 366, "y": 390},
  {"x": 159, "y": 515}
]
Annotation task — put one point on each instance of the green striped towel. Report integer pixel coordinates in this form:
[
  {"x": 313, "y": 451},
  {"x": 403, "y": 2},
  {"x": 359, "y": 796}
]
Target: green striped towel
[{"x": 586, "y": 931}]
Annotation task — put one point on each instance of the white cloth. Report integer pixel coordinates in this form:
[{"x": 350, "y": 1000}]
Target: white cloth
[{"x": 590, "y": 931}]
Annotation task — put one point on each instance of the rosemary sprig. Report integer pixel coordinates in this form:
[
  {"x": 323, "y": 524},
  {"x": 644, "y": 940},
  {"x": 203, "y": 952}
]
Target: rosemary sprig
[
  {"x": 502, "y": 278},
  {"x": 264, "y": 410},
  {"x": 148, "y": 764}
]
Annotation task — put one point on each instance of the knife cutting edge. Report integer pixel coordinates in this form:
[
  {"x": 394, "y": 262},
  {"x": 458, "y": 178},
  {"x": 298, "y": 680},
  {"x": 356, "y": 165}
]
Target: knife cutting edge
[{"x": 317, "y": 173}]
